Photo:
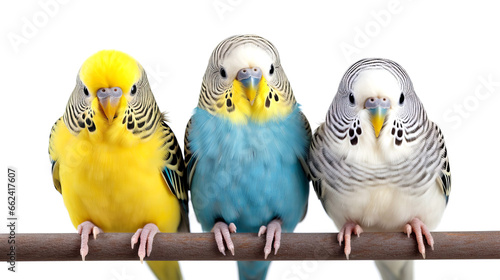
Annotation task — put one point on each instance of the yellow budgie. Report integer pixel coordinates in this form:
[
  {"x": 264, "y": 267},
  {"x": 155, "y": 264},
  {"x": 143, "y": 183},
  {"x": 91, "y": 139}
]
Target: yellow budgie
[{"x": 115, "y": 161}]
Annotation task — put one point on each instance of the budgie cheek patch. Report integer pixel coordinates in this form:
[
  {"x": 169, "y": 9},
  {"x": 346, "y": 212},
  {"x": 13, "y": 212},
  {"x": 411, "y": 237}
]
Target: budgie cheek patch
[
  {"x": 355, "y": 131},
  {"x": 272, "y": 95},
  {"x": 269, "y": 104},
  {"x": 128, "y": 118},
  {"x": 229, "y": 102},
  {"x": 87, "y": 120},
  {"x": 233, "y": 104},
  {"x": 397, "y": 132}
]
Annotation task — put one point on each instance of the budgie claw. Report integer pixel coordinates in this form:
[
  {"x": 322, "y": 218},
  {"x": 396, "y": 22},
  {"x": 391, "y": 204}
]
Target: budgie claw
[
  {"x": 146, "y": 234},
  {"x": 273, "y": 230},
  {"x": 84, "y": 229},
  {"x": 419, "y": 228},
  {"x": 222, "y": 233},
  {"x": 346, "y": 231}
]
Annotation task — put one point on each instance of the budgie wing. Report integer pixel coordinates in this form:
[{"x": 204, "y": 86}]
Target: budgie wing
[
  {"x": 316, "y": 147},
  {"x": 174, "y": 173},
  {"x": 303, "y": 160},
  {"x": 445, "y": 174},
  {"x": 190, "y": 159},
  {"x": 53, "y": 159}
]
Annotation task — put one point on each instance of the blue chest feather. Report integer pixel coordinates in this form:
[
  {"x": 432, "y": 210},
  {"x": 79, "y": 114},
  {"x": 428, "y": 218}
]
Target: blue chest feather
[{"x": 249, "y": 174}]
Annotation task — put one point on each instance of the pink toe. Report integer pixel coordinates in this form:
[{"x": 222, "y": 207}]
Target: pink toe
[
  {"x": 262, "y": 230},
  {"x": 222, "y": 233},
  {"x": 345, "y": 234}
]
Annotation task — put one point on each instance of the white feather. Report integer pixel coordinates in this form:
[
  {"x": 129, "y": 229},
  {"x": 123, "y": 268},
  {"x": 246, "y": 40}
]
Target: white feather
[
  {"x": 384, "y": 207},
  {"x": 247, "y": 55},
  {"x": 376, "y": 83}
]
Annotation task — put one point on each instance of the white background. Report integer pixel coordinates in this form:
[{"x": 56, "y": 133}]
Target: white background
[{"x": 449, "y": 50}]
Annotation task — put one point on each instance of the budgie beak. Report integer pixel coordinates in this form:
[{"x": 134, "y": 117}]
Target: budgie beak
[
  {"x": 378, "y": 118},
  {"x": 378, "y": 108},
  {"x": 109, "y": 98},
  {"x": 250, "y": 79}
]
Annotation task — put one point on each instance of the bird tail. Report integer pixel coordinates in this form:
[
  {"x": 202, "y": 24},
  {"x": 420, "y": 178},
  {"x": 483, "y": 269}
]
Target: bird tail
[
  {"x": 254, "y": 270},
  {"x": 395, "y": 270},
  {"x": 166, "y": 270}
]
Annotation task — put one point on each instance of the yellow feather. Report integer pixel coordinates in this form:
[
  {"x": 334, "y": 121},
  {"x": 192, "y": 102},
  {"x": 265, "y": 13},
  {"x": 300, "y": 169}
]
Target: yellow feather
[
  {"x": 277, "y": 109},
  {"x": 240, "y": 103},
  {"x": 242, "y": 110},
  {"x": 119, "y": 188},
  {"x": 110, "y": 68}
]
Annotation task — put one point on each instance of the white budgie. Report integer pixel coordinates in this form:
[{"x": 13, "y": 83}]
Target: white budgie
[{"x": 377, "y": 162}]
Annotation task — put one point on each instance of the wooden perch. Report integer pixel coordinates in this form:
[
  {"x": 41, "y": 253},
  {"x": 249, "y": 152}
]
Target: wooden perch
[{"x": 294, "y": 246}]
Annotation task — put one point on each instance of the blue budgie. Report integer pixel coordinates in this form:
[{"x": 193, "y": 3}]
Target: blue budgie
[{"x": 246, "y": 146}]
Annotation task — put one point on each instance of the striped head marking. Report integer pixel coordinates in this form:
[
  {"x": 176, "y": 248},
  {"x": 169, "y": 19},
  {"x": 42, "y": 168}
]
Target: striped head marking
[
  {"x": 245, "y": 80},
  {"x": 376, "y": 98}
]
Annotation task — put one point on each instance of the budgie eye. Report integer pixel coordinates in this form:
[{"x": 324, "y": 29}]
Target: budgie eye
[
  {"x": 271, "y": 71},
  {"x": 133, "y": 90},
  {"x": 86, "y": 91},
  {"x": 401, "y": 99},
  {"x": 351, "y": 98},
  {"x": 223, "y": 72}
]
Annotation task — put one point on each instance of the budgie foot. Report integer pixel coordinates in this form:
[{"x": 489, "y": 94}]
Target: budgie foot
[
  {"x": 273, "y": 230},
  {"x": 146, "y": 234},
  {"x": 222, "y": 233},
  {"x": 345, "y": 234},
  {"x": 420, "y": 230},
  {"x": 84, "y": 230}
]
